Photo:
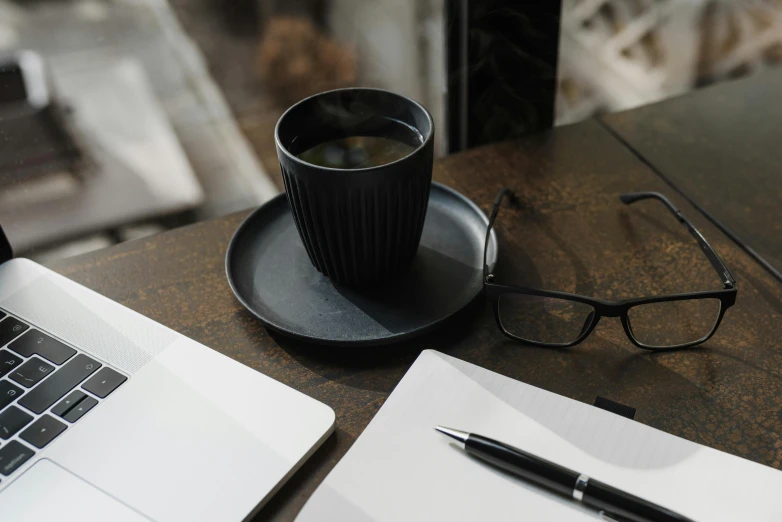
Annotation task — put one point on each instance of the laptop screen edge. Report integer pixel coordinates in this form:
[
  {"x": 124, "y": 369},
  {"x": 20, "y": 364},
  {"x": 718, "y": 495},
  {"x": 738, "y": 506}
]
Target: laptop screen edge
[{"x": 6, "y": 252}]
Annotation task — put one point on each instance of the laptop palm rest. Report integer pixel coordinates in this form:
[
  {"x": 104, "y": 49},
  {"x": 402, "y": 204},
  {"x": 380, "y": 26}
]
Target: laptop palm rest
[{"x": 48, "y": 492}]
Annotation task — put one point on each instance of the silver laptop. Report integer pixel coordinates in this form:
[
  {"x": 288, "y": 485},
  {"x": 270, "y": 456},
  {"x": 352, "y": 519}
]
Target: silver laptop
[{"x": 106, "y": 415}]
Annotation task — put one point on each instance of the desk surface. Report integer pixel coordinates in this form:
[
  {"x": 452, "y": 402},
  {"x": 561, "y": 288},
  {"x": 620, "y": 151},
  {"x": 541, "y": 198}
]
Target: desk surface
[
  {"x": 721, "y": 147},
  {"x": 572, "y": 234}
]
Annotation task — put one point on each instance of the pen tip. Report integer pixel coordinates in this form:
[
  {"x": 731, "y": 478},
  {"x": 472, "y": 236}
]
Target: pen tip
[{"x": 461, "y": 436}]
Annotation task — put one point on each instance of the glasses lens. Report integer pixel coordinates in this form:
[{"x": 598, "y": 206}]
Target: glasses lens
[
  {"x": 544, "y": 319},
  {"x": 673, "y": 323}
]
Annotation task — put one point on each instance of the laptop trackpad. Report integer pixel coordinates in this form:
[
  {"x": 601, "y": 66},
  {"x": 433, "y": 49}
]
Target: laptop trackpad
[{"x": 48, "y": 492}]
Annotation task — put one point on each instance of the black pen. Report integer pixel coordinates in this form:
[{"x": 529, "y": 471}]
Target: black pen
[{"x": 611, "y": 503}]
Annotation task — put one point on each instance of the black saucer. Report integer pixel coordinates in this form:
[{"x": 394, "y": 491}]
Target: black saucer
[{"x": 271, "y": 275}]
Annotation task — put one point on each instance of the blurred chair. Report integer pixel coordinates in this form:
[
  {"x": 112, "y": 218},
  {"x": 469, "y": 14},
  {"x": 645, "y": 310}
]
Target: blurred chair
[{"x": 619, "y": 54}]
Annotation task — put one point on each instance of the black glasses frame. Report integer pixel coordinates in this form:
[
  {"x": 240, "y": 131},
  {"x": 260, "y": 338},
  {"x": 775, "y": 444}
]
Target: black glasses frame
[{"x": 603, "y": 308}]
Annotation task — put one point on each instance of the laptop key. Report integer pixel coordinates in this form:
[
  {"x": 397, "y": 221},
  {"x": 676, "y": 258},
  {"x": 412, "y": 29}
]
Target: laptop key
[
  {"x": 68, "y": 402},
  {"x": 80, "y": 409},
  {"x": 9, "y": 393},
  {"x": 13, "y": 455},
  {"x": 8, "y": 361},
  {"x": 43, "y": 431},
  {"x": 38, "y": 343},
  {"x": 31, "y": 372},
  {"x": 59, "y": 383},
  {"x": 104, "y": 382},
  {"x": 12, "y": 420},
  {"x": 10, "y": 329}
]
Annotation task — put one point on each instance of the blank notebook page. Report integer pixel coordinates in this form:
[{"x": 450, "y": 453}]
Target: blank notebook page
[{"x": 401, "y": 469}]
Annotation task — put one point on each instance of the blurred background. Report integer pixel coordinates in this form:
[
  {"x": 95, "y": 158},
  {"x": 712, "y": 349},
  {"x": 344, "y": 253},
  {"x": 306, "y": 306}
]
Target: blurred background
[{"x": 123, "y": 118}]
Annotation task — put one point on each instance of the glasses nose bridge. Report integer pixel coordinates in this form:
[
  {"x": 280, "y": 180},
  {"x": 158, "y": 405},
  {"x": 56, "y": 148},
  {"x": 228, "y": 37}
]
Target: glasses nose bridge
[{"x": 612, "y": 310}]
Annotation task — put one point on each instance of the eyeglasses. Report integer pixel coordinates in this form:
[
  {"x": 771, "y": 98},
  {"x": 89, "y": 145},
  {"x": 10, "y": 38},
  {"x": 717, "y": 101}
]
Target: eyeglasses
[{"x": 561, "y": 319}]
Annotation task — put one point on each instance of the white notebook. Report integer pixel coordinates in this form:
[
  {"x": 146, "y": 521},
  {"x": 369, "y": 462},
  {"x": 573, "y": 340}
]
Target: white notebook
[{"x": 401, "y": 469}]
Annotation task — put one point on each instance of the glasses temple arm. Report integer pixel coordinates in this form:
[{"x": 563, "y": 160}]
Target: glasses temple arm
[
  {"x": 495, "y": 209},
  {"x": 711, "y": 254}
]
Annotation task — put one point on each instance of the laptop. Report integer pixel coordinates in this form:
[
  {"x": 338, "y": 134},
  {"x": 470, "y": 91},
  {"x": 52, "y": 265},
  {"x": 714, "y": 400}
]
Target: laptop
[{"x": 106, "y": 415}]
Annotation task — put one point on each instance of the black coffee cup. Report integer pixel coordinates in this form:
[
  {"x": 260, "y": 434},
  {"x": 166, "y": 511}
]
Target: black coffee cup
[{"x": 361, "y": 225}]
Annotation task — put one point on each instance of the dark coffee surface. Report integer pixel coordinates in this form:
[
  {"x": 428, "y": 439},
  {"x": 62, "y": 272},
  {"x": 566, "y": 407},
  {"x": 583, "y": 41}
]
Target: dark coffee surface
[
  {"x": 371, "y": 139},
  {"x": 356, "y": 152},
  {"x": 352, "y": 112}
]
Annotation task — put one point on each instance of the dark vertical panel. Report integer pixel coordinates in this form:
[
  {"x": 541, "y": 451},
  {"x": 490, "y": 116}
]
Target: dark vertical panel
[
  {"x": 456, "y": 34},
  {"x": 502, "y": 69}
]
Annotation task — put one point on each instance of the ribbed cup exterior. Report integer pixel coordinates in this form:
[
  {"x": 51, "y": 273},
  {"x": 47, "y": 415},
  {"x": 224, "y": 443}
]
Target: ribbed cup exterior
[{"x": 360, "y": 227}]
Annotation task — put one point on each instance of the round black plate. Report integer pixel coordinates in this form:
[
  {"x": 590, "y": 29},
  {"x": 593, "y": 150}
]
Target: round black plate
[{"x": 271, "y": 275}]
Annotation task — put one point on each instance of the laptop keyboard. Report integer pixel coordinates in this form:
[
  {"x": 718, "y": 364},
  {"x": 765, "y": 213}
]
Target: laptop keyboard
[{"x": 45, "y": 386}]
